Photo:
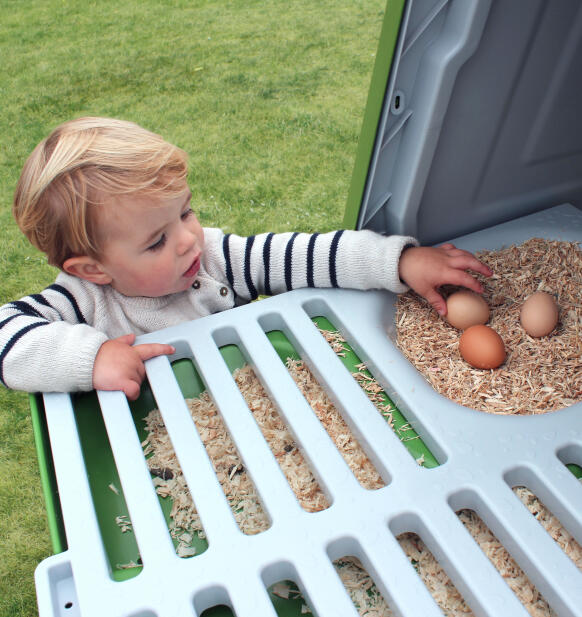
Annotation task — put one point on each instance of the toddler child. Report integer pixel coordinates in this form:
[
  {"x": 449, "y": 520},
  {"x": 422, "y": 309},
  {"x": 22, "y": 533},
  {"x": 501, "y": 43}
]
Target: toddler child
[{"x": 108, "y": 203}]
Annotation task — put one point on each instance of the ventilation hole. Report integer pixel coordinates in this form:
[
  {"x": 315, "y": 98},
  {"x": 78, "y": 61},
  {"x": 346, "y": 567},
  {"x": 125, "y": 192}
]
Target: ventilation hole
[
  {"x": 176, "y": 501},
  {"x": 287, "y": 599},
  {"x": 512, "y": 574},
  {"x": 361, "y": 588},
  {"x": 218, "y": 611},
  {"x": 376, "y": 394},
  {"x": 335, "y": 425},
  {"x": 576, "y": 470},
  {"x": 236, "y": 483},
  {"x": 281, "y": 442},
  {"x": 68, "y": 605},
  {"x": 433, "y": 575},
  {"x": 551, "y": 524},
  {"x": 330, "y": 418},
  {"x": 120, "y": 544},
  {"x": 169, "y": 482},
  {"x": 398, "y": 102}
]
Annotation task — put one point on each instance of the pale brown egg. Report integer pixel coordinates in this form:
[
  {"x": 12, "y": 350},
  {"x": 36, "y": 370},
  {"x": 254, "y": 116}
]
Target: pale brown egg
[
  {"x": 482, "y": 347},
  {"x": 539, "y": 314},
  {"x": 466, "y": 308}
]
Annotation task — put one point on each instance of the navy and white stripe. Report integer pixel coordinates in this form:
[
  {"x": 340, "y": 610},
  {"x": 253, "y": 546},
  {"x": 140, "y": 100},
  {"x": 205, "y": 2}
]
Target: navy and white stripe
[
  {"x": 25, "y": 310},
  {"x": 289, "y": 262},
  {"x": 271, "y": 263},
  {"x": 80, "y": 316},
  {"x": 267, "y": 263},
  {"x": 228, "y": 264},
  {"x": 13, "y": 340},
  {"x": 69, "y": 296},
  {"x": 310, "y": 260},
  {"x": 253, "y": 295},
  {"x": 333, "y": 258}
]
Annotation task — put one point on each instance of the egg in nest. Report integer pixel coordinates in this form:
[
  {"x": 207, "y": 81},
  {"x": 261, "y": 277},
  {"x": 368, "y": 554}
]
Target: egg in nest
[
  {"x": 482, "y": 347},
  {"x": 465, "y": 308},
  {"x": 539, "y": 314}
]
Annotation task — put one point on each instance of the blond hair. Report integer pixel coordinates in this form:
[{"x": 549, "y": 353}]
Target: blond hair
[{"x": 82, "y": 164}]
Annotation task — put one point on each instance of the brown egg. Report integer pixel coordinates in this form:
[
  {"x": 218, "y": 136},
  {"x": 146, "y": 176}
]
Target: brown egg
[
  {"x": 466, "y": 308},
  {"x": 482, "y": 347},
  {"x": 539, "y": 314}
]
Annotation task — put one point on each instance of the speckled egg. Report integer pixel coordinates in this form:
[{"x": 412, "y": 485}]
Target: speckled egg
[{"x": 482, "y": 347}]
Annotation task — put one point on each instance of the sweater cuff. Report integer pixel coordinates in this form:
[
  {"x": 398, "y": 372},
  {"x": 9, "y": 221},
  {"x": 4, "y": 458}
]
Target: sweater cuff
[
  {"x": 405, "y": 242},
  {"x": 370, "y": 260},
  {"x": 86, "y": 361}
]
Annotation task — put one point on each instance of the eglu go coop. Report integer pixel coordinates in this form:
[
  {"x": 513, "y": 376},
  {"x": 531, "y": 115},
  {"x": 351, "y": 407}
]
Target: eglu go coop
[{"x": 472, "y": 133}]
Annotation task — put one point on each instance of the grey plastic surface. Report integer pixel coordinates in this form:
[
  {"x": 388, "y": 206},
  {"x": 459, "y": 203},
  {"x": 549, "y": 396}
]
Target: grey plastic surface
[
  {"x": 482, "y": 456},
  {"x": 488, "y": 124}
]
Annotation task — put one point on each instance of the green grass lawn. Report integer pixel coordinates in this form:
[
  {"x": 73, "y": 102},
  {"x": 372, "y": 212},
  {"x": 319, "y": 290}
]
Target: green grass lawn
[{"x": 267, "y": 97}]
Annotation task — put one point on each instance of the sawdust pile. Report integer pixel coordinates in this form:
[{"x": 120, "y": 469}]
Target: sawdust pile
[{"x": 539, "y": 375}]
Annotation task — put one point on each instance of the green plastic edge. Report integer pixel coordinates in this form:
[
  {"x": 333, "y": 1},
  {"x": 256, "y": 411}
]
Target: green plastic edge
[
  {"x": 47, "y": 474},
  {"x": 372, "y": 113}
]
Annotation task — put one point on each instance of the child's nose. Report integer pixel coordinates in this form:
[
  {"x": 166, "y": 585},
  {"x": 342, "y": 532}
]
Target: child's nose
[{"x": 186, "y": 241}]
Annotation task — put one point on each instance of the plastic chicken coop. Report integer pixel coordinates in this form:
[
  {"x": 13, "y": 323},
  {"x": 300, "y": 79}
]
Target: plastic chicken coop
[{"x": 472, "y": 134}]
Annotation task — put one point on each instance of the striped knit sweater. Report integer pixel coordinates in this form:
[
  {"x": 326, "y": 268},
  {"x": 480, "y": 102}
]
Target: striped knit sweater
[{"x": 49, "y": 340}]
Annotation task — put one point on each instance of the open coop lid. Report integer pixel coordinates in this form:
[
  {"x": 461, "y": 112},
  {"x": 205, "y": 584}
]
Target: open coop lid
[{"x": 473, "y": 117}]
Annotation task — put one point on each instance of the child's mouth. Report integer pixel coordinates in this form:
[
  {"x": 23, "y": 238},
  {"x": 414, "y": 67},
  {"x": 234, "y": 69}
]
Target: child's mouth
[{"x": 193, "y": 269}]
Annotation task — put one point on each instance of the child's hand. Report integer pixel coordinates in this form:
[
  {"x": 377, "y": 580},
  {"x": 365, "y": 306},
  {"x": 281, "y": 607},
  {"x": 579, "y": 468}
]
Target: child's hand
[
  {"x": 119, "y": 366},
  {"x": 425, "y": 268}
]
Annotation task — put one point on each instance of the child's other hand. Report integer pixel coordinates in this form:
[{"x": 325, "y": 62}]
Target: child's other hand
[
  {"x": 120, "y": 366},
  {"x": 425, "y": 268}
]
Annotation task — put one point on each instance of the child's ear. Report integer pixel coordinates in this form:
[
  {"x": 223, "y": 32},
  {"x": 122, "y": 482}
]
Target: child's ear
[{"x": 87, "y": 268}]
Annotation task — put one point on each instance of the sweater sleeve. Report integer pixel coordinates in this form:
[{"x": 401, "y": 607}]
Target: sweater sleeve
[
  {"x": 273, "y": 263},
  {"x": 47, "y": 343}
]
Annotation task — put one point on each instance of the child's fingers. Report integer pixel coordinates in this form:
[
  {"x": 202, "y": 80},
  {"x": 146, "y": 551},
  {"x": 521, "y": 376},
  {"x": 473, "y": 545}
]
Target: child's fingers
[
  {"x": 464, "y": 279},
  {"x": 131, "y": 389},
  {"x": 465, "y": 260},
  {"x": 127, "y": 339},
  {"x": 436, "y": 301},
  {"x": 152, "y": 350},
  {"x": 472, "y": 263}
]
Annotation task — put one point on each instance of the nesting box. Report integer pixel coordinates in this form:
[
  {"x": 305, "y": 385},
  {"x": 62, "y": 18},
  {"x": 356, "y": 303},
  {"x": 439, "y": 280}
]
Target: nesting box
[{"x": 471, "y": 134}]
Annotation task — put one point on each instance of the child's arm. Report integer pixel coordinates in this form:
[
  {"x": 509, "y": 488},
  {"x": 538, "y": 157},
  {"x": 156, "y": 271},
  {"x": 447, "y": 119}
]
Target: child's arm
[
  {"x": 274, "y": 263},
  {"x": 425, "y": 269},
  {"x": 41, "y": 353},
  {"x": 48, "y": 343}
]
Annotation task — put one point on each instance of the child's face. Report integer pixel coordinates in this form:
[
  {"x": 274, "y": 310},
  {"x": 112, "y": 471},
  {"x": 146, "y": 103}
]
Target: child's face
[{"x": 152, "y": 246}]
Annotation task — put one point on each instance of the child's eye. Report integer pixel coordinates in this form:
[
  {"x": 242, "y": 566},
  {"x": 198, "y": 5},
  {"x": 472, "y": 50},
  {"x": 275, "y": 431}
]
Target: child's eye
[
  {"x": 156, "y": 246},
  {"x": 187, "y": 214}
]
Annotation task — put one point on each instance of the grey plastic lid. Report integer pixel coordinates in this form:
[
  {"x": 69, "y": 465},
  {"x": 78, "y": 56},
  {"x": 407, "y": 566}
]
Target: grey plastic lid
[{"x": 482, "y": 118}]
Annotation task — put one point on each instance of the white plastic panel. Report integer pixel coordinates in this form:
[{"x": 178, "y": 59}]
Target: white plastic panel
[{"x": 481, "y": 456}]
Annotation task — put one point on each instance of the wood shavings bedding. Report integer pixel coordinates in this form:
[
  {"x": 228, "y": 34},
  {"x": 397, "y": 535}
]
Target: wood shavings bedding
[
  {"x": 551, "y": 524},
  {"x": 539, "y": 375},
  {"x": 362, "y": 590},
  {"x": 513, "y": 575},
  {"x": 335, "y": 425}
]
